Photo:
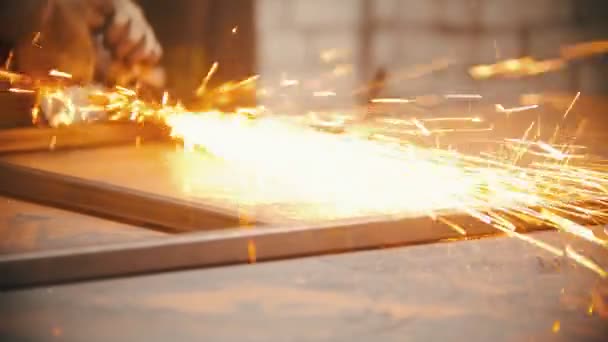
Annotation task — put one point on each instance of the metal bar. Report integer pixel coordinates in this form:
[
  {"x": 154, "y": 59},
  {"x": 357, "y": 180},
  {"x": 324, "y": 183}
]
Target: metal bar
[
  {"x": 76, "y": 136},
  {"x": 110, "y": 201},
  {"x": 226, "y": 247}
]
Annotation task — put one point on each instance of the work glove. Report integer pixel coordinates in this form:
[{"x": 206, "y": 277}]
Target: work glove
[
  {"x": 69, "y": 36},
  {"x": 128, "y": 50},
  {"x": 130, "y": 37}
]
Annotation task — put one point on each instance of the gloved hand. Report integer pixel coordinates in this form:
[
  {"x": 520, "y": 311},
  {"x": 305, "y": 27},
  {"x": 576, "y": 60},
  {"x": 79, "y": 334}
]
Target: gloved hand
[
  {"x": 129, "y": 36},
  {"x": 68, "y": 44}
]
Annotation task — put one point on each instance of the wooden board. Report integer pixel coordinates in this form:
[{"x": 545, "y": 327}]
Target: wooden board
[
  {"x": 484, "y": 290},
  {"x": 27, "y": 227}
]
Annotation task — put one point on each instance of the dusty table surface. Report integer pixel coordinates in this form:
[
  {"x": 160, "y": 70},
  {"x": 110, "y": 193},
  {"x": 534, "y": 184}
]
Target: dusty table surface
[
  {"x": 496, "y": 289},
  {"x": 27, "y": 227}
]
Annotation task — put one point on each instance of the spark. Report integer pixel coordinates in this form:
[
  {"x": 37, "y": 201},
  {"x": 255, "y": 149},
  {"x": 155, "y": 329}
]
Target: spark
[
  {"x": 568, "y": 252},
  {"x": 556, "y": 327},
  {"x": 571, "y": 227},
  {"x": 165, "y": 99},
  {"x": 464, "y": 96},
  {"x": 323, "y": 94},
  {"x": 528, "y": 66},
  {"x": 126, "y": 91},
  {"x": 392, "y": 100},
  {"x": 60, "y": 74},
  {"x": 515, "y": 68},
  {"x": 453, "y": 226},
  {"x": 421, "y": 127},
  {"x": 35, "y": 112},
  {"x": 289, "y": 83},
  {"x": 251, "y": 251},
  {"x": 231, "y": 86},
  {"x": 235, "y": 30},
  {"x": 586, "y": 49},
  {"x": 472, "y": 119},
  {"x": 482, "y": 71},
  {"x": 572, "y": 104},
  {"x": 200, "y": 91},
  {"x": 553, "y": 152},
  {"x": 586, "y": 262},
  {"x": 501, "y": 109},
  {"x": 21, "y": 91}
]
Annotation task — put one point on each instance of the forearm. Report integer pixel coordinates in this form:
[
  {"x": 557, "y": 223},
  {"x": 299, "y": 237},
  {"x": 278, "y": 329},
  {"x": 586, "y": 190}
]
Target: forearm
[{"x": 19, "y": 19}]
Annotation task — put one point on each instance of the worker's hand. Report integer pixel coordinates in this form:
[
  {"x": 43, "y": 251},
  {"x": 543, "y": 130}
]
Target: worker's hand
[
  {"x": 66, "y": 40},
  {"x": 63, "y": 43},
  {"x": 129, "y": 36}
]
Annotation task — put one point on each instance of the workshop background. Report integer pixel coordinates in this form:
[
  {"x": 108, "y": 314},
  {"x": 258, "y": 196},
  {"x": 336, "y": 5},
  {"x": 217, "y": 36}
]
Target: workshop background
[
  {"x": 351, "y": 41},
  {"x": 397, "y": 35}
]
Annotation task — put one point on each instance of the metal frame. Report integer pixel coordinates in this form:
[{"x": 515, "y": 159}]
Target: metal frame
[
  {"x": 32, "y": 139},
  {"x": 227, "y": 247},
  {"x": 110, "y": 201},
  {"x": 202, "y": 249}
]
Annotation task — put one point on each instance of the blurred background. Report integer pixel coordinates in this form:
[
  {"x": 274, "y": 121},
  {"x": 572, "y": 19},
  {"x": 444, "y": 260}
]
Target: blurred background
[{"x": 424, "y": 46}]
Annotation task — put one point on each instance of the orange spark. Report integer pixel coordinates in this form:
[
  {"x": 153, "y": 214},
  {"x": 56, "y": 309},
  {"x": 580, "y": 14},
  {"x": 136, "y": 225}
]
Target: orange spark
[
  {"x": 21, "y": 91},
  {"x": 556, "y": 327},
  {"x": 60, "y": 74},
  {"x": 125, "y": 91},
  {"x": 392, "y": 100},
  {"x": 289, "y": 83},
  {"x": 251, "y": 252},
  {"x": 572, "y": 104},
  {"x": 464, "y": 96},
  {"x": 586, "y": 49},
  {"x": 200, "y": 91},
  {"x": 501, "y": 109},
  {"x": 323, "y": 94}
]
